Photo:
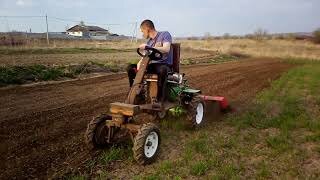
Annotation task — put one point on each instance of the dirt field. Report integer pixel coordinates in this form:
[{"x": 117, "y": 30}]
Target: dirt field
[{"x": 42, "y": 126}]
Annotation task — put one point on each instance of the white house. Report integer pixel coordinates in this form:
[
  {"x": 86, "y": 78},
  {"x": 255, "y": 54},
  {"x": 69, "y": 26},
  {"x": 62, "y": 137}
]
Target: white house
[{"x": 87, "y": 31}]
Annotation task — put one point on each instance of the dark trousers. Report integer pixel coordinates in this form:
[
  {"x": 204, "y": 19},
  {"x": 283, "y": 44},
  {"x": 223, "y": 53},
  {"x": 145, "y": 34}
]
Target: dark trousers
[{"x": 156, "y": 68}]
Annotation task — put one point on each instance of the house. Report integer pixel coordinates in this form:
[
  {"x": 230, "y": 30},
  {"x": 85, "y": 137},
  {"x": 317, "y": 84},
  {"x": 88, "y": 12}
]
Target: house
[
  {"x": 82, "y": 30},
  {"x": 303, "y": 36}
]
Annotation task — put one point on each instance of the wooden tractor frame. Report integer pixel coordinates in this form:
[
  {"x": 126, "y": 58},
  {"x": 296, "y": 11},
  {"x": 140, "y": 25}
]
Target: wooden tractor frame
[{"x": 124, "y": 120}]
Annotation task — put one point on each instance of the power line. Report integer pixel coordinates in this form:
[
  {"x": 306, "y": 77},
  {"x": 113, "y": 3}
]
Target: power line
[
  {"x": 47, "y": 18},
  {"x": 87, "y": 22},
  {"x": 69, "y": 20},
  {"x": 22, "y": 16}
]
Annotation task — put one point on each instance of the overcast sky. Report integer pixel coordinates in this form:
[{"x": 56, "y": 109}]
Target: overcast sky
[{"x": 180, "y": 17}]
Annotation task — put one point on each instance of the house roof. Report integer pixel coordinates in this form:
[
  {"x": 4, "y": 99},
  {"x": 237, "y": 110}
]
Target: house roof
[{"x": 86, "y": 28}]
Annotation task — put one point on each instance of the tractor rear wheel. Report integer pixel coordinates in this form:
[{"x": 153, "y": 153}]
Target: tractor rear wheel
[
  {"x": 196, "y": 112},
  {"x": 146, "y": 144},
  {"x": 97, "y": 132}
]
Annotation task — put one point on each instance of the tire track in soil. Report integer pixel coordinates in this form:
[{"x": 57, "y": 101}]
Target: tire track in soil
[{"x": 42, "y": 126}]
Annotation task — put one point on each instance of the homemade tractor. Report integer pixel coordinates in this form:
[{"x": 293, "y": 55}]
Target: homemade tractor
[{"x": 125, "y": 118}]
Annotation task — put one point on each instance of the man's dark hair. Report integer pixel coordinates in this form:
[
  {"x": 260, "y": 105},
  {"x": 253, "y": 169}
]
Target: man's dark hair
[{"x": 148, "y": 23}]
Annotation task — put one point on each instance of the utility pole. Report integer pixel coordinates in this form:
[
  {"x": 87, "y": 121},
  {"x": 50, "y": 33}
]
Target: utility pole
[
  {"x": 47, "y": 30},
  {"x": 134, "y": 34},
  {"x": 136, "y": 31}
]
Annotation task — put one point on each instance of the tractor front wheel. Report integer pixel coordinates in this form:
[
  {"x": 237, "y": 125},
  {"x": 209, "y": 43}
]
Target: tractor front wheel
[
  {"x": 196, "y": 112},
  {"x": 97, "y": 132},
  {"x": 146, "y": 144}
]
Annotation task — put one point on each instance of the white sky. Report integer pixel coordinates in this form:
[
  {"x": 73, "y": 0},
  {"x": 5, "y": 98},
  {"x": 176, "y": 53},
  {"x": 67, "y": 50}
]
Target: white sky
[{"x": 180, "y": 17}]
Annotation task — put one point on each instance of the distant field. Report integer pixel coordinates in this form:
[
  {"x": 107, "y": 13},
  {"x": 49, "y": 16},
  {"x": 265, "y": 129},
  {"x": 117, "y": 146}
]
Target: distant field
[
  {"x": 71, "y": 59},
  {"x": 65, "y": 56},
  {"x": 27, "y": 51},
  {"x": 77, "y": 52},
  {"x": 265, "y": 48}
]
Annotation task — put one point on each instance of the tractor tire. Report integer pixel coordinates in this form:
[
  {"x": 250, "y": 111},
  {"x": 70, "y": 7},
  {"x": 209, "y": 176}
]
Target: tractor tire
[
  {"x": 146, "y": 145},
  {"x": 196, "y": 113},
  {"x": 97, "y": 131}
]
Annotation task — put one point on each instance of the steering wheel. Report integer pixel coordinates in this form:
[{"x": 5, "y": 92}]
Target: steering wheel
[{"x": 152, "y": 53}]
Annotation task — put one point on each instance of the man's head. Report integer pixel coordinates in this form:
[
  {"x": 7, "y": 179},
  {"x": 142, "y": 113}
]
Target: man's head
[{"x": 147, "y": 28}]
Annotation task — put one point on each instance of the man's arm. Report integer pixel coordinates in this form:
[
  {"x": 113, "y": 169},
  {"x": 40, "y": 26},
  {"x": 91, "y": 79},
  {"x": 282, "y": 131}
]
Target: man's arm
[
  {"x": 166, "y": 43},
  {"x": 165, "y": 47}
]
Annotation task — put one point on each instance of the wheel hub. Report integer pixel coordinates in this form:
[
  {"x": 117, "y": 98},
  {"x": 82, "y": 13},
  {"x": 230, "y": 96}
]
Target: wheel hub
[
  {"x": 151, "y": 144},
  {"x": 199, "y": 115}
]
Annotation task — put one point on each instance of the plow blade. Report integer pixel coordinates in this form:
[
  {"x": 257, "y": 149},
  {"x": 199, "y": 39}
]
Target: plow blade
[{"x": 223, "y": 103}]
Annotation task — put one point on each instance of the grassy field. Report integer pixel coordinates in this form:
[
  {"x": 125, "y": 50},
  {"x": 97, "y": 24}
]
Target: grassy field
[
  {"x": 21, "y": 65},
  {"x": 23, "y": 51},
  {"x": 271, "y": 48},
  {"x": 21, "y": 74},
  {"x": 73, "y": 52},
  {"x": 67, "y": 56},
  {"x": 277, "y": 137},
  {"x": 264, "y": 48},
  {"x": 69, "y": 59}
]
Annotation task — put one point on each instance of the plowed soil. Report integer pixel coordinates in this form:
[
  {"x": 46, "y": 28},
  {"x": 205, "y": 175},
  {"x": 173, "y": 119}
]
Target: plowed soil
[{"x": 42, "y": 126}]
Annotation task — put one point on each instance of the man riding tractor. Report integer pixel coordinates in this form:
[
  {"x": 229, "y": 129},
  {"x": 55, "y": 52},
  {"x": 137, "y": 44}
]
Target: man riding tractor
[
  {"x": 161, "y": 41},
  {"x": 157, "y": 87}
]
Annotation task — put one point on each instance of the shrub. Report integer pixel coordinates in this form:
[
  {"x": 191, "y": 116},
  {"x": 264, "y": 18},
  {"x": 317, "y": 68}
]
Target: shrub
[{"x": 316, "y": 35}]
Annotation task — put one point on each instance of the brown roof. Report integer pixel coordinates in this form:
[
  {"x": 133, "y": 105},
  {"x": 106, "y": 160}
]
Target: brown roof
[{"x": 86, "y": 28}]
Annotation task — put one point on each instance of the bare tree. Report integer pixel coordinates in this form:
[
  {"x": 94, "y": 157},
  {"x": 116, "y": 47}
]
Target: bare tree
[
  {"x": 226, "y": 36},
  {"x": 82, "y": 23},
  {"x": 260, "y": 34},
  {"x": 207, "y": 36},
  {"x": 316, "y": 35}
]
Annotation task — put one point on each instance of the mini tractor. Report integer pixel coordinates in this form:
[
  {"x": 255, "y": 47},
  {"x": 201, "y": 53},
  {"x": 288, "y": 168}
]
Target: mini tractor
[{"x": 124, "y": 119}]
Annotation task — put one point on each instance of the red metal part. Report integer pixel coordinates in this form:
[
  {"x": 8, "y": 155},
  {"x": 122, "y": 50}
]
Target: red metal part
[{"x": 222, "y": 100}]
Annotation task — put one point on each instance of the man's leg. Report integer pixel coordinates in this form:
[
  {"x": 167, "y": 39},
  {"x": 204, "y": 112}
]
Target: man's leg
[
  {"x": 162, "y": 71},
  {"x": 132, "y": 71}
]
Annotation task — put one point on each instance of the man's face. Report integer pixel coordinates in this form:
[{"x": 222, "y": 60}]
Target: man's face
[{"x": 145, "y": 32}]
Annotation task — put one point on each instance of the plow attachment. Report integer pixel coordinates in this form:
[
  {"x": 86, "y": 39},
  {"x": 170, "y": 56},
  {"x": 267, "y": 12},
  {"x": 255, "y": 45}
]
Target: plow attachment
[{"x": 223, "y": 103}]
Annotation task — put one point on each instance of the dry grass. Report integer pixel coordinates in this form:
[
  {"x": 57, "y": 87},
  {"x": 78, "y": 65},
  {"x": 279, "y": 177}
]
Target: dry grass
[
  {"x": 190, "y": 49},
  {"x": 266, "y": 48},
  {"x": 73, "y": 55},
  {"x": 115, "y": 44},
  {"x": 269, "y": 48},
  {"x": 72, "y": 43}
]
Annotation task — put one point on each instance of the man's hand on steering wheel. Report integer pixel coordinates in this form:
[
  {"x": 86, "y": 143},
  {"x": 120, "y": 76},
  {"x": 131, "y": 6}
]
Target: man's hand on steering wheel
[{"x": 152, "y": 53}]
